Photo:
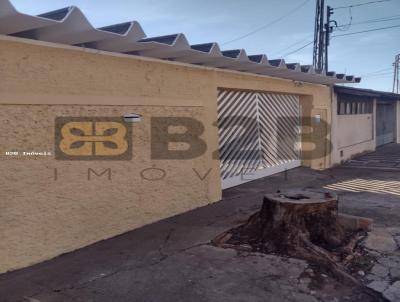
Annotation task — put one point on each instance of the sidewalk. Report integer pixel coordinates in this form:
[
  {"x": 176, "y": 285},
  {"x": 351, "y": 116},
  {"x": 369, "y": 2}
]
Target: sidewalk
[{"x": 172, "y": 261}]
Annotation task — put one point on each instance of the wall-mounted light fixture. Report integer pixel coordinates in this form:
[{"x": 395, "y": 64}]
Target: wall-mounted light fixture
[{"x": 132, "y": 118}]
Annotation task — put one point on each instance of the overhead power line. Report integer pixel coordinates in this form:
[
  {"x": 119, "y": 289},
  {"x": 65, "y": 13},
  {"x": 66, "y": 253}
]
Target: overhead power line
[
  {"x": 347, "y": 26},
  {"x": 377, "y": 71},
  {"x": 298, "y": 49},
  {"x": 365, "y": 31},
  {"x": 341, "y": 35},
  {"x": 268, "y": 24},
  {"x": 379, "y": 75},
  {"x": 361, "y": 4},
  {"x": 382, "y": 19},
  {"x": 294, "y": 44},
  {"x": 372, "y": 21},
  {"x": 386, "y": 17},
  {"x": 324, "y": 27}
]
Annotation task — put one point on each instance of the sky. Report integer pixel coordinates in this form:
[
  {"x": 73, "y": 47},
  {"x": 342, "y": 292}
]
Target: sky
[{"x": 370, "y": 55}]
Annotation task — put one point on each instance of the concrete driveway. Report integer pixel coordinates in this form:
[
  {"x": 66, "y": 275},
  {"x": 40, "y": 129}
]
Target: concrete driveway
[{"x": 172, "y": 260}]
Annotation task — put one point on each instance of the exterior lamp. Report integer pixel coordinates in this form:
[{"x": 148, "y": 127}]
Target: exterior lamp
[{"x": 132, "y": 118}]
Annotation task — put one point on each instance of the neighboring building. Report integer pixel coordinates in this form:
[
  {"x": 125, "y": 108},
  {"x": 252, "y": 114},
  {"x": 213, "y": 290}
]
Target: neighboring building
[
  {"x": 362, "y": 119},
  {"x": 49, "y": 206}
]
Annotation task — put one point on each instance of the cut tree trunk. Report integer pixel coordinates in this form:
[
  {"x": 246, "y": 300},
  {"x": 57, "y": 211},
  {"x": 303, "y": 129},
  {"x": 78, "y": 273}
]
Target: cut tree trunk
[{"x": 301, "y": 224}]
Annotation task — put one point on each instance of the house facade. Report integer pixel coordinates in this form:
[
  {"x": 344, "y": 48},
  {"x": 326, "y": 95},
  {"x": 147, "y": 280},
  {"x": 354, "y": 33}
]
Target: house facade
[
  {"x": 195, "y": 120},
  {"x": 362, "y": 120},
  {"x": 55, "y": 206}
]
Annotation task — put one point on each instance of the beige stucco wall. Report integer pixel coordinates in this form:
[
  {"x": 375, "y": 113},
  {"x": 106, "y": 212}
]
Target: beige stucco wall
[
  {"x": 44, "y": 214},
  {"x": 351, "y": 134},
  {"x": 42, "y": 217}
]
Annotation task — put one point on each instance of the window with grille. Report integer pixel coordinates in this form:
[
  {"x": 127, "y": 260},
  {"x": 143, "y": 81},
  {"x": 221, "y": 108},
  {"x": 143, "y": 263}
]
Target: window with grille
[{"x": 351, "y": 105}]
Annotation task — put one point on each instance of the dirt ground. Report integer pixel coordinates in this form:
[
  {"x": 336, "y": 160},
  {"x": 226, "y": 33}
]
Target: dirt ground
[{"x": 172, "y": 260}]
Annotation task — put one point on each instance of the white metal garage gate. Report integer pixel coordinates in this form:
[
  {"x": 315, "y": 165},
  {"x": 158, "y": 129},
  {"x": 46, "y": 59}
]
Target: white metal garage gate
[{"x": 259, "y": 135}]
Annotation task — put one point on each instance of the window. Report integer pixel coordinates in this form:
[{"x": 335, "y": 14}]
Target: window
[
  {"x": 351, "y": 105},
  {"x": 353, "y": 108},
  {"x": 359, "y": 108},
  {"x": 341, "y": 108}
]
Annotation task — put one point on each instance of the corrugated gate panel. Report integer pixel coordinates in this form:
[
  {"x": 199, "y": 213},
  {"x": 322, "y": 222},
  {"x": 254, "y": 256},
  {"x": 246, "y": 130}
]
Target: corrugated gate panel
[
  {"x": 238, "y": 144},
  {"x": 258, "y": 134}
]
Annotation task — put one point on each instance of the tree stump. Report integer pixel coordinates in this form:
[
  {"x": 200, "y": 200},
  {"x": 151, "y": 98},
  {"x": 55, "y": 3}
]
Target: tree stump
[{"x": 301, "y": 224}]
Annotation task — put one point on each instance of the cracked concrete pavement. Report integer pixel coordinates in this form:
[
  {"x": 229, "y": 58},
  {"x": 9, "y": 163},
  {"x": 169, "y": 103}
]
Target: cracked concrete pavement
[
  {"x": 384, "y": 277},
  {"x": 172, "y": 260}
]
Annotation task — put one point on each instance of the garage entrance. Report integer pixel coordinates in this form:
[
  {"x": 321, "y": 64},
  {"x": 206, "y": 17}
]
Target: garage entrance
[
  {"x": 259, "y": 135},
  {"x": 385, "y": 123}
]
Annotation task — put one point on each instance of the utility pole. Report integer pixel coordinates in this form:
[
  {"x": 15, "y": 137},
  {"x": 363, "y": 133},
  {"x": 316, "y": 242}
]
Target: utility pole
[
  {"x": 322, "y": 31},
  {"x": 396, "y": 80},
  {"x": 328, "y": 31},
  {"x": 318, "y": 52}
]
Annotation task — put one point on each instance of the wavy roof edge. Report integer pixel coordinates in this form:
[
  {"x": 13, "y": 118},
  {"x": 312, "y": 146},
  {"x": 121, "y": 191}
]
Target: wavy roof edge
[{"x": 70, "y": 26}]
